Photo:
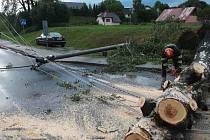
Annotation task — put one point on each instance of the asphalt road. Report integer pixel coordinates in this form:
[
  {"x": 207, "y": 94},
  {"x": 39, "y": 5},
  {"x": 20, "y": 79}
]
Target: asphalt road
[
  {"x": 59, "y": 101},
  {"x": 42, "y": 103}
]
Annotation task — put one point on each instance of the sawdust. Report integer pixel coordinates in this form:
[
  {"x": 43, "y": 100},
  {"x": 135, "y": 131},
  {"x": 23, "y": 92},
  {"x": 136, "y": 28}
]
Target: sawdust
[
  {"x": 34, "y": 128},
  {"x": 141, "y": 91}
]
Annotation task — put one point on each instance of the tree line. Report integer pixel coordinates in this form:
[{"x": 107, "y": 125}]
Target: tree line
[{"x": 34, "y": 11}]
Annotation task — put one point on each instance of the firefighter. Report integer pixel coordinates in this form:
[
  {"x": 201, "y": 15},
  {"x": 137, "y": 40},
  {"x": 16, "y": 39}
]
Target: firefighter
[{"x": 171, "y": 51}]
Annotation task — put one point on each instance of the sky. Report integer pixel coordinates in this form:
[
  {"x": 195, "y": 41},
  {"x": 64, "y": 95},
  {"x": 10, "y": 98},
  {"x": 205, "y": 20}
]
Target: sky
[{"x": 128, "y": 3}]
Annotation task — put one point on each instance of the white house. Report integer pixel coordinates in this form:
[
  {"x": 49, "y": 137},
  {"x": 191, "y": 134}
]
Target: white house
[{"x": 107, "y": 18}]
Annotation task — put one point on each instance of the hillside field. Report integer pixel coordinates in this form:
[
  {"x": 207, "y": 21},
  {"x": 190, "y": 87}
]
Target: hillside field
[{"x": 92, "y": 36}]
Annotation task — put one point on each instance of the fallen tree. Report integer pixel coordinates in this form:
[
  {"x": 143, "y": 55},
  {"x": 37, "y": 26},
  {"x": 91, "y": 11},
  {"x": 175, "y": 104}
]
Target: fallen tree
[{"x": 175, "y": 108}]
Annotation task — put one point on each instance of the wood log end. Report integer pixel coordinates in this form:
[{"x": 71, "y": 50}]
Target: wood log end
[
  {"x": 172, "y": 111},
  {"x": 193, "y": 105},
  {"x": 198, "y": 68},
  {"x": 140, "y": 134}
]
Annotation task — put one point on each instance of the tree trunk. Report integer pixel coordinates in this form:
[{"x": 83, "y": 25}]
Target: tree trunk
[
  {"x": 180, "y": 101},
  {"x": 174, "y": 109}
]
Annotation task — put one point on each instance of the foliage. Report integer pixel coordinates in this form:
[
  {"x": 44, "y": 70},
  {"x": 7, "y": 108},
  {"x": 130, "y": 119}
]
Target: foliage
[
  {"x": 162, "y": 34},
  {"x": 9, "y": 6},
  {"x": 159, "y": 7},
  {"x": 14, "y": 6},
  {"x": 50, "y": 10},
  {"x": 204, "y": 14},
  {"x": 143, "y": 13},
  {"x": 194, "y": 3},
  {"x": 113, "y": 6}
]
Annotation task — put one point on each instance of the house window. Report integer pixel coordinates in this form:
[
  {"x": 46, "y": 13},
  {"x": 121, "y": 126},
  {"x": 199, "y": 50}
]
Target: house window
[{"x": 108, "y": 20}]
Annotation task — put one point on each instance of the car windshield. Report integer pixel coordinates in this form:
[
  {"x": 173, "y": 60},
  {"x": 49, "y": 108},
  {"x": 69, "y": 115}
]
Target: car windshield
[
  {"x": 55, "y": 34},
  {"x": 52, "y": 34}
]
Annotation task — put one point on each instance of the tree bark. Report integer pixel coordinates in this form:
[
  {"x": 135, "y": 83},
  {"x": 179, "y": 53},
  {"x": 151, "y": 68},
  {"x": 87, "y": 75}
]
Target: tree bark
[{"x": 175, "y": 108}]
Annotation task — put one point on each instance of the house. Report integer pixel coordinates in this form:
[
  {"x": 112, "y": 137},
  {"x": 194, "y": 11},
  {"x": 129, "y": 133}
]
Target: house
[
  {"x": 107, "y": 18},
  {"x": 74, "y": 5},
  {"x": 187, "y": 15}
]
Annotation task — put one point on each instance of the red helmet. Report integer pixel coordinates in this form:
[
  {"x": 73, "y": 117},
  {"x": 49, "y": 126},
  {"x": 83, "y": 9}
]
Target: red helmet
[{"x": 169, "y": 52}]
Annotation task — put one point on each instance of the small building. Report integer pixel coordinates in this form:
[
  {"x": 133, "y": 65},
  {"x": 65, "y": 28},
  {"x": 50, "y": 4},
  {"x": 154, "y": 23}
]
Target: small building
[
  {"x": 107, "y": 18},
  {"x": 74, "y": 5},
  {"x": 187, "y": 15}
]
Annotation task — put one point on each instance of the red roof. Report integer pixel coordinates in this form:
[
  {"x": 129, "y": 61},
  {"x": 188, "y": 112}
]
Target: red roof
[{"x": 176, "y": 13}]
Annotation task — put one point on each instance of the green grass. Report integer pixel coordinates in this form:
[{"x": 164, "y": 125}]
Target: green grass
[{"x": 92, "y": 36}]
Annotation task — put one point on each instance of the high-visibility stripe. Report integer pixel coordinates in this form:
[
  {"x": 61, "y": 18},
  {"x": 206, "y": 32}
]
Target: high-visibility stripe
[{"x": 180, "y": 56}]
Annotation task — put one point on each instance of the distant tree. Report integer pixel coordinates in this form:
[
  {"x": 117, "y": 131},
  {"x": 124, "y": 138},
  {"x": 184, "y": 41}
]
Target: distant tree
[
  {"x": 102, "y": 7},
  {"x": 150, "y": 14},
  {"x": 51, "y": 10},
  {"x": 96, "y": 10},
  {"x": 113, "y": 6},
  {"x": 204, "y": 14},
  {"x": 194, "y": 3},
  {"x": 84, "y": 11},
  {"x": 90, "y": 9},
  {"x": 137, "y": 6},
  {"x": 142, "y": 13},
  {"x": 12, "y": 6},
  {"x": 159, "y": 7}
]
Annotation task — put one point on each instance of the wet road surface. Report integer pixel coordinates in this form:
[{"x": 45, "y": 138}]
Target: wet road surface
[{"x": 58, "y": 101}]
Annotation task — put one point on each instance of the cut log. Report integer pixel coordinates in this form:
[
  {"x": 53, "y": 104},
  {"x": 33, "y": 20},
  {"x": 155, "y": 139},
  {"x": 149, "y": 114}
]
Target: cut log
[
  {"x": 175, "y": 106},
  {"x": 146, "y": 129},
  {"x": 172, "y": 111}
]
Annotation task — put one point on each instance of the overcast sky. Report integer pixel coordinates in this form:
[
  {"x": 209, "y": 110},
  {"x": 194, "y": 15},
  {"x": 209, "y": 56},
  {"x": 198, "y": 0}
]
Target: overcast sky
[{"x": 128, "y": 3}]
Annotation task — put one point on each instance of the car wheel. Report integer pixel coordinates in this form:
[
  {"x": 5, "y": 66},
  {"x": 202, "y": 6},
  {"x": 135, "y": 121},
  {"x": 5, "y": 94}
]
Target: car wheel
[{"x": 63, "y": 45}]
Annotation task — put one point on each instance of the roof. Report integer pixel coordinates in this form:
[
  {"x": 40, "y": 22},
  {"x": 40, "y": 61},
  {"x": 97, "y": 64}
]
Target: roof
[
  {"x": 186, "y": 13},
  {"x": 114, "y": 16},
  {"x": 176, "y": 13},
  {"x": 74, "y": 5}
]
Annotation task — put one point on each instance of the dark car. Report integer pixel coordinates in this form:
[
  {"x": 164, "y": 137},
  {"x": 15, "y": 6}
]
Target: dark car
[{"x": 53, "y": 39}]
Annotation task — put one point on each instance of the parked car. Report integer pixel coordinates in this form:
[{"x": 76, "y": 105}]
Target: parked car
[{"x": 52, "y": 39}]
